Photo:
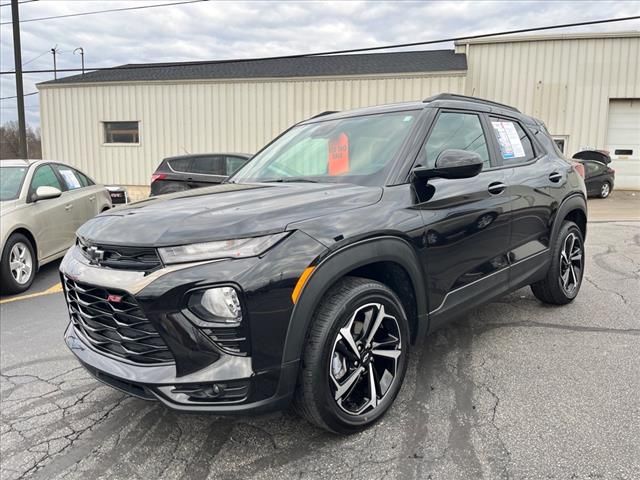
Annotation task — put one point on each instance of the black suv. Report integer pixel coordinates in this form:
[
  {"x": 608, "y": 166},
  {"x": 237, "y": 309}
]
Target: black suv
[
  {"x": 308, "y": 275},
  {"x": 184, "y": 172}
]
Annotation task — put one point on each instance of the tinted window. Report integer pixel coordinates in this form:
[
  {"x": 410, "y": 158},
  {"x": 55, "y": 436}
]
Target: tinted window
[
  {"x": 460, "y": 131},
  {"x": 11, "y": 179},
  {"x": 121, "y": 132},
  {"x": 69, "y": 177},
  {"x": 45, "y": 177},
  {"x": 515, "y": 145},
  {"x": 593, "y": 168},
  {"x": 209, "y": 165},
  {"x": 180, "y": 164},
  {"x": 84, "y": 180},
  {"x": 234, "y": 163}
]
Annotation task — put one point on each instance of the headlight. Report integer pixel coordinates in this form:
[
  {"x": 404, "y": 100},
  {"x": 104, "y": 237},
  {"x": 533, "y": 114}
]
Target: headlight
[
  {"x": 219, "y": 305},
  {"x": 238, "y": 248}
]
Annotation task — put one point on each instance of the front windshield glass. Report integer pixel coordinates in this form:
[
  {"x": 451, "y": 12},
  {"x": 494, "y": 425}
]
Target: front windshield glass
[
  {"x": 10, "y": 182},
  {"x": 355, "y": 150}
]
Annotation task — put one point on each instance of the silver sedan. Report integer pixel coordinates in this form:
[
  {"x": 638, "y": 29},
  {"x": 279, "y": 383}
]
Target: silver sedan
[{"x": 42, "y": 204}]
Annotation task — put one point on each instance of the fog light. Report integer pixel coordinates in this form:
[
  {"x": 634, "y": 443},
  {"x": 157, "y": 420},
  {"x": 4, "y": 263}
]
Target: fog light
[{"x": 220, "y": 305}]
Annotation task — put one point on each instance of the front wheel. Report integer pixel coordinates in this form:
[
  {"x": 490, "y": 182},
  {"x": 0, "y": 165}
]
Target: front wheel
[
  {"x": 563, "y": 280},
  {"x": 355, "y": 357},
  {"x": 18, "y": 266}
]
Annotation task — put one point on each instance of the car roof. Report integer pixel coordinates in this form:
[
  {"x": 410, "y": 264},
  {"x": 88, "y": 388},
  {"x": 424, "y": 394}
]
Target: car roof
[
  {"x": 16, "y": 162},
  {"x": 443, "y": 100}
]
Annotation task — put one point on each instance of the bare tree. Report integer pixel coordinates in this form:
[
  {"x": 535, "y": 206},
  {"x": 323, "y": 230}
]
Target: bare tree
[{"x": 9, "y": 141}]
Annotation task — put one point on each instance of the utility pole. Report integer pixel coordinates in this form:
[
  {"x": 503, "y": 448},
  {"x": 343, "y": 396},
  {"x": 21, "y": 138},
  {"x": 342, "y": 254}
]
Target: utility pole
[
  {"x": 81, "y": 56},
  {"x": 17, "y": 58},
  {"x": 54, "y": 51}
]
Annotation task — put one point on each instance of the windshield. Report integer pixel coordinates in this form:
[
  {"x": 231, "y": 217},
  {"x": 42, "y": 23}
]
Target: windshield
[
  {"x": 10, "y": 182},
  {"x": 355, "y": 150}
]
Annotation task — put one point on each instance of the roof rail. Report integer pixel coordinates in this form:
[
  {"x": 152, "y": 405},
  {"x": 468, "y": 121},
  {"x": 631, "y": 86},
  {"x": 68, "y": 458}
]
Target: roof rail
[
  {"x": 465, "y": 98},
  {"x": 322, "y": 114}
]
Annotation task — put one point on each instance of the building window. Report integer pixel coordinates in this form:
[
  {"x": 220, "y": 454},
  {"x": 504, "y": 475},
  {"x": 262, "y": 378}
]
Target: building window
[{"x": 121, "y": 132}]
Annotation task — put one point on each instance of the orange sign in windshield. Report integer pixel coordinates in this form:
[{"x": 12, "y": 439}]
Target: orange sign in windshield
[{"x": 338, "y": 155}]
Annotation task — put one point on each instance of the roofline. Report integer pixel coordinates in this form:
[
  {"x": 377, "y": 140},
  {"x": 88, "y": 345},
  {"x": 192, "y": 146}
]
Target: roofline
[
  {"x": 555, "y": 36},
  {"x": 441, "y": 73}
]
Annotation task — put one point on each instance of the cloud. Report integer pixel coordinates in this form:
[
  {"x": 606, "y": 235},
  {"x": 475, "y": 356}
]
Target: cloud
[{"x": 222, "y": 30}]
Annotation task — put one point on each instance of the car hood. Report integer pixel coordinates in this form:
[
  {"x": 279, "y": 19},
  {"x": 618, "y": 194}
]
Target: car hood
[{"x": 223, "y": 212}]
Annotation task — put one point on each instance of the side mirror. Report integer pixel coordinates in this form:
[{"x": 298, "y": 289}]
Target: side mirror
[
  {"x": 45, "y": 193},
  {"x": 452, "y": 164}
]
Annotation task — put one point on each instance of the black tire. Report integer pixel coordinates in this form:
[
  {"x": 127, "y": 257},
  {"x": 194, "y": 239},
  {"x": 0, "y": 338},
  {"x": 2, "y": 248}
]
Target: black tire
[
  {"x": 605, "y": 190},
  {"x": 9, "y": 283},
  {"x": 554, "y": 289},
  {"x": 345, "y": 306}
]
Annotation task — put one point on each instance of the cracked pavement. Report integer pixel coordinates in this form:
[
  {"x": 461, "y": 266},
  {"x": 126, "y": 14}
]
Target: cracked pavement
[{"x": 514, "y": 390}]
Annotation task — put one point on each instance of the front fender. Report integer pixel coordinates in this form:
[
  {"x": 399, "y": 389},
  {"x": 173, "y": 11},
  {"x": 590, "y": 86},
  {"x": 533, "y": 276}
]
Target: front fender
[{"x": 339, "y": 263}]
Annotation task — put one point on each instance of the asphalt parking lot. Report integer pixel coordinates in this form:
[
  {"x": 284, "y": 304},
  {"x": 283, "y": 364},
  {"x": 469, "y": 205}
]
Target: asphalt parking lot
[{"x": 513, "y": 390}]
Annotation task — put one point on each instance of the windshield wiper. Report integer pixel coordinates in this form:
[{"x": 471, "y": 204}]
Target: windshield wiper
[{"x": 291, "y": 179}]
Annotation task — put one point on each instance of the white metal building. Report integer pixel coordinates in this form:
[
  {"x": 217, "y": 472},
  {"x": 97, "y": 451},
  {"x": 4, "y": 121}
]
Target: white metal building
[{"x": 118, "y": 124}]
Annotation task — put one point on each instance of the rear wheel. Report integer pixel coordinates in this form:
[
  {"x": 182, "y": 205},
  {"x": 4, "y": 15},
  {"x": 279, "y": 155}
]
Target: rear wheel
[
  {"x": 18, "y": 265},
  {"x": 355, "y": 357},
  {"x": 564, "y": 277},
  {"x": 605, "y": 190}
]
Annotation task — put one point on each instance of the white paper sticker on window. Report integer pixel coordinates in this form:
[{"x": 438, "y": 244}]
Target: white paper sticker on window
[
  {"x": 508, "y": 138},
  {"x": 70, "y": 179}
]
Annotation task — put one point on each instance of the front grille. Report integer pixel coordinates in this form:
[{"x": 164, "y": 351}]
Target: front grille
[
  {"x": 113, "y": 322},
  {"x": 143, "y": 259}
]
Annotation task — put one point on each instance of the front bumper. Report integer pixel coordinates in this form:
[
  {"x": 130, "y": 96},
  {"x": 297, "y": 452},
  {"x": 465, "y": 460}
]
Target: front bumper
[{"x": 255, "y": 381}]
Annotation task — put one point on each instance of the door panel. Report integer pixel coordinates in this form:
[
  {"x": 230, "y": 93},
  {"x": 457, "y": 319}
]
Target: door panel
[
  {"x": 50, "y": 220},
  {"x": 467, "y": 236},
  {"x": 80, "y": 200},
  {"x": 467, "y": 223}
]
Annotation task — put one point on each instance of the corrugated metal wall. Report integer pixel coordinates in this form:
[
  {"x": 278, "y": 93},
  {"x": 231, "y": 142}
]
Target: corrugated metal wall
[
  {"x": 566, "y": 82},
  {"x": 178, "y": 118}
]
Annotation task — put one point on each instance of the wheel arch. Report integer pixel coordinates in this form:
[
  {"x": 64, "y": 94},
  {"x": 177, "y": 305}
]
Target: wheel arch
[
  {"x": 390, "y": 260},
  {"x": 27, "y": 233},
  {"x": 573, "y": 208}
]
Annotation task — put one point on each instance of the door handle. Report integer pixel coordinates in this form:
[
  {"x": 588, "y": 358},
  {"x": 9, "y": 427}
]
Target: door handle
[
  {"x": 496, "y": 188},
  {"x": 555, "y": 177},
  {"x": 92, "y": 198},
  {"x": 68, "y": 207}
]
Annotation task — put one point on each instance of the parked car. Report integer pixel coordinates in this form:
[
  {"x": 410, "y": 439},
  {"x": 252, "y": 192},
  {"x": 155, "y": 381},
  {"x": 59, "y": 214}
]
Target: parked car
[
  {"x": 308, "y": 275},
  {"x": 42, "y": 205},
  {"x": 119, "y": 195},
  {"x": 599, "y": 176},
  {"x": 177, "y": 174}
]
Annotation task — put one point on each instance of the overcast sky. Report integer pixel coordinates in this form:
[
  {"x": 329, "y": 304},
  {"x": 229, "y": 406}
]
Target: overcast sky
[{"x": 217, "y": 30}]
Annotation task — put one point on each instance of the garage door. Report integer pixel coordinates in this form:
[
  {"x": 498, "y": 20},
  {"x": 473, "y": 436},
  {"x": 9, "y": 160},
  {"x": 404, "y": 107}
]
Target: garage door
[{"x": 623, "y": 142}]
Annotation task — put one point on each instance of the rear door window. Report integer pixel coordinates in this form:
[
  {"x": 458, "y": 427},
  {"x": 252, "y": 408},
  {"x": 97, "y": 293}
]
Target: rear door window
[
  {"x": 180, "y": 164},
  {"x": 214, "y": 165},
  {"x": 515, "y": 145},
  {"x": 69, "y": 177}
]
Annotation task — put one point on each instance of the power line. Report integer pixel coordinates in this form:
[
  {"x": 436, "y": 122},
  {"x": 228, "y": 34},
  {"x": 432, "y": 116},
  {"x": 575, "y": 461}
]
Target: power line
[
  {"x": 16, "y": 96},
  {"x": 80, "y": 14},
  {"x": 336, "y": 52},
  {"x": 19, "y": 3},
  {"x": 35, "y": 58}
]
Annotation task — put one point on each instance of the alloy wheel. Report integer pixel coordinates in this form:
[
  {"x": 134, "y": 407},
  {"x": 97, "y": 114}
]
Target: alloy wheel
[
  {"x": 605, "y": 190},
  {"x": 571, "y": 263},
  {"x": 364, "y": 359},
  {"x": 20, "y": 263}
]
